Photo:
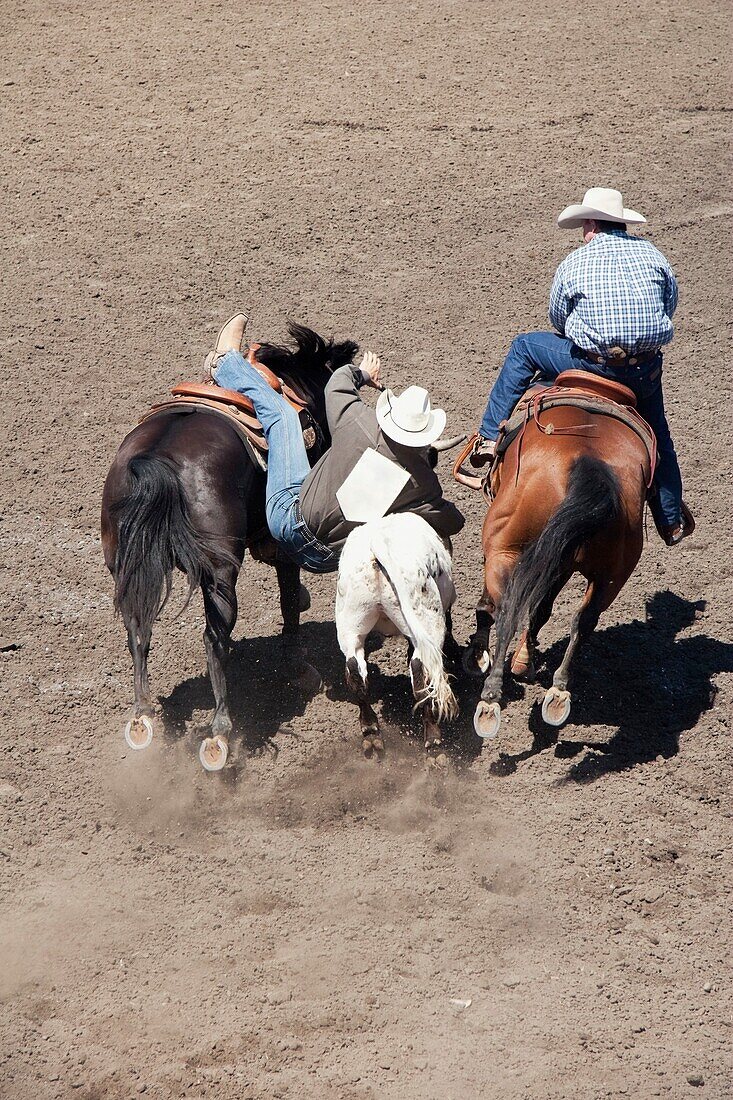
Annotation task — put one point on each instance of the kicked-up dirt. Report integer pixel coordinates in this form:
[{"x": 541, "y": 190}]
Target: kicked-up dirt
[{"x": 543, "y": 919}]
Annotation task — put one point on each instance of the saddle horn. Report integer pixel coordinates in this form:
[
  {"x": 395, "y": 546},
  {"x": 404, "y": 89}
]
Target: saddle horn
[{"x": 446, "y": 444}]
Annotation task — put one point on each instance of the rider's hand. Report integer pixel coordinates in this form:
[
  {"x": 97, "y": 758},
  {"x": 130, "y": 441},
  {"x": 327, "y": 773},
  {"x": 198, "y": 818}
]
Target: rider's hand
[{"x": 371, "y": 369}]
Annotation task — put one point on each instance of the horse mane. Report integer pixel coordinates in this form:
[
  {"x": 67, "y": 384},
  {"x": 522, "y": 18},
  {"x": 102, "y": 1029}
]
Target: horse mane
[{"x": 310, "y": 353}]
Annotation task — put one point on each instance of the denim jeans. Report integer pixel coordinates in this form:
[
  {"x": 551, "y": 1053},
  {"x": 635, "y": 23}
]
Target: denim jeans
[
  {"x": 548, "y": 354},
  {"x": 287, "y": 463}
]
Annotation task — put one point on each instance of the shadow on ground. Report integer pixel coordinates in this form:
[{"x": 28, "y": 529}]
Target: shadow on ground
[
  {"x": 638, "y": 678},
  {"x": 264, "y": 692}
]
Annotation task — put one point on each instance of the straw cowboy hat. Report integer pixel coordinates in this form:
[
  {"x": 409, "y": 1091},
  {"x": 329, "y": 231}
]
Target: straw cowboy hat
[
  {"x": 602, "y": 204},
  {"x": 409, "y": 418}
]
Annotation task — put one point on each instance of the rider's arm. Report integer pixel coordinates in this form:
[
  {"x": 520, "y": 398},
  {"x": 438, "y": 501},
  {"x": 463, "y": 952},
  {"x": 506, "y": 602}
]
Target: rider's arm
[
  {"x": 442, "y": 515},
  {"x": 561, "y": 303},
  {"x": 342, "y": 396},
  {"x": 671, "y": 291}
]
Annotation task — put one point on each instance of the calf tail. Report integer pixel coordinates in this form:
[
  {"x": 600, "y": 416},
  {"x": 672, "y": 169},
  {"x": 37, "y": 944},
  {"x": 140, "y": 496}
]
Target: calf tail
[{"x": 428, "y": 648}]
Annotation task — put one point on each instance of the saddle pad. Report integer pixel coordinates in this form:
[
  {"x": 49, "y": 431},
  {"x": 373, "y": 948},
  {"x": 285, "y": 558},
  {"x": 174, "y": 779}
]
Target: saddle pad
[
  {"x": 211, "y": 392},
  {"x": 539, "y": 400},
  {"x": 255, "y": 446}
]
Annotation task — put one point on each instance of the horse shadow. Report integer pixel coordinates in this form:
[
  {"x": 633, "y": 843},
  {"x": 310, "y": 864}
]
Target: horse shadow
[
  {"x": 264, "y": 695},
  {"x": 638, "y": 677}
]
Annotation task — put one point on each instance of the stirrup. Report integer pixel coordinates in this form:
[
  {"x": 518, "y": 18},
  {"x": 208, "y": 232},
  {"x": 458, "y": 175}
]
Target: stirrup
[{"x": 465, "y": 474}]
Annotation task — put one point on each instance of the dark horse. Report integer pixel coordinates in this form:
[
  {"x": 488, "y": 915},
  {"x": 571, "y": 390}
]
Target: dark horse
[
  {"x": 570, "y": 498},
  {"x": 183, "y": 493}
]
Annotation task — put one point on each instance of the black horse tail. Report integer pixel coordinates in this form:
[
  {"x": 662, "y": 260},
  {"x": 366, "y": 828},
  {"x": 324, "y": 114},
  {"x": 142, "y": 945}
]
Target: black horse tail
[
  {"x": 593, "y": 500},
  {"x": 154, "y": 535}
]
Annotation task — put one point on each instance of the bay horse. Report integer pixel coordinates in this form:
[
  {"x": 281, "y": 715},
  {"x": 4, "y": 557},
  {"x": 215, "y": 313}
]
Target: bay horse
[
  {"x": 569, "y": 497},
  {"x": 183, "y": 493}
]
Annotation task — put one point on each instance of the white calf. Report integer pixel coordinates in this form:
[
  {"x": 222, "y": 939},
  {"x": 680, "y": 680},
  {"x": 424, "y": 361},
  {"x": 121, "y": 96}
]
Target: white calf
[{"x": 395, "y": 578}]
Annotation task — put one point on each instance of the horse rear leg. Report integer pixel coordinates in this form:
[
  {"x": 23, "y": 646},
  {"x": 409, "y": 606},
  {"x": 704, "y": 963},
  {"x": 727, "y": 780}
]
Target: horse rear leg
[
  {"x": 487, "y": 716},
  {"x": 295, "y": 599},
  {"x": 220, "y": 605},
  {"x": 598, "y": 596},
  {"x": 139, "y": 730},
  {"x": 525, "y": 655}
]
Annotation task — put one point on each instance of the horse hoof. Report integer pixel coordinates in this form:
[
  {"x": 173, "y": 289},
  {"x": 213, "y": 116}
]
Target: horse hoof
[
  {"x": 487, "y": 719},
  {"x": 213, "y": 753},
  {"x": 373, "y": 745},
  {"x": 304, "y": 599},
  {"x": 556, "y": 707},
  {"x": 476, "y": 664},
  {"x": 139, "y": 732}
]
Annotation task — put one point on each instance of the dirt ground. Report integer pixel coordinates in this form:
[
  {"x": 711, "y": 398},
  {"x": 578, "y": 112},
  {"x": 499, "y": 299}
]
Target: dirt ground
[{"x": 307, "y": 924}]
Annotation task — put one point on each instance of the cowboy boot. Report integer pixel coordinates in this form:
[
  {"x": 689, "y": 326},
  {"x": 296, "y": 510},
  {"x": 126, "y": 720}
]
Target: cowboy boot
[
  {"x": 229, "y": 339},
  {"x": 673, "y": 535}
]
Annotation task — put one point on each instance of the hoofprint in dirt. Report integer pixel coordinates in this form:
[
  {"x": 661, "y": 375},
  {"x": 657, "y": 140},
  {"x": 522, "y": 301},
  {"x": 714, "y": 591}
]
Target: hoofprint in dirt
[{"x": 308, "y": 924}]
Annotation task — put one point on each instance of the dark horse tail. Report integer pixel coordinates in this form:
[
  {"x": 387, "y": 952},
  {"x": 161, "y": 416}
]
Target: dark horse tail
[
  {"x": 593, "y": 500},
  {"x": 154, "y": 536}
]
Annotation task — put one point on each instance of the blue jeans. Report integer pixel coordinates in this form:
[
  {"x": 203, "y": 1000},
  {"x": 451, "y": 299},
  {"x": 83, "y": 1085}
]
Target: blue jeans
[
  {"x": 548, "y": 354},
  {"x": 287, "y": 463}
]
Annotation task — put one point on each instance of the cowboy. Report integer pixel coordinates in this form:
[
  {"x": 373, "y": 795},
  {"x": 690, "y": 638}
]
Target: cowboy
[
  {"x": 376, "y": 464},
  {"x": 611, "y": 303}
]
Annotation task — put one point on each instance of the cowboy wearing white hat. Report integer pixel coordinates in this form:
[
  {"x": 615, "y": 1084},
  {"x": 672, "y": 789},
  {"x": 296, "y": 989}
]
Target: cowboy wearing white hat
[
  {"x": 376, "y": 463},
  {"x": 611, "y": 304}
]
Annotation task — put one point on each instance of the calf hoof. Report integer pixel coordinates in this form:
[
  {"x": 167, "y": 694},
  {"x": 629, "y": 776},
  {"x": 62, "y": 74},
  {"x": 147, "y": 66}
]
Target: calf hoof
[
  {"x": 523, "y": 666},
  {"x": 213, "y": 753},
  {"x": 487, "y": 719},
  {"x": 139, "y": 732},
  {"x": 476, "y": 662},
  {"x": 556, "y": 707}
]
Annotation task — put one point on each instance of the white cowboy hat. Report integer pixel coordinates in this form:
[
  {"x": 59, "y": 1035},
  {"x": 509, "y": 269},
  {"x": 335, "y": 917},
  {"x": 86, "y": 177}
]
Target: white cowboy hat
[
  {"x": 601, "y": 203},
  {"x": 409, "y": 419}
]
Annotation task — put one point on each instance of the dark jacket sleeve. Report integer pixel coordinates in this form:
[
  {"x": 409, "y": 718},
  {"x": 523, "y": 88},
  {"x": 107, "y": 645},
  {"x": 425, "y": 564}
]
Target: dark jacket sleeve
[
  {"x": 343, "y": 402},
  {"x": 442, "y": 515}
]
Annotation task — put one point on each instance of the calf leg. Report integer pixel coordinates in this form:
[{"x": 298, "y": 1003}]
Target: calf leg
[
  {"x": 352, "y": 627},
  {"x": 431, "y": 730}
]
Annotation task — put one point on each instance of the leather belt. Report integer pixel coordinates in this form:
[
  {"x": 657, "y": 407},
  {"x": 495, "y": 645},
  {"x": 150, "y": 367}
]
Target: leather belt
[{"x": 623, "y": 360}]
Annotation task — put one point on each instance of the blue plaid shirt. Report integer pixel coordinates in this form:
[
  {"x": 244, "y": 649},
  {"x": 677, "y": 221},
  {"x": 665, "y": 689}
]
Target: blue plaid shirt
[{"x": 615, "y": 291}]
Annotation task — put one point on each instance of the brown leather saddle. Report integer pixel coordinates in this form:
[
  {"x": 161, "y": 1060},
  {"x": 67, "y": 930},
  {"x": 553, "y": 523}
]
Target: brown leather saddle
[
  {"x": 579, "y": 389},
  {"x": 237, "y": 409}
]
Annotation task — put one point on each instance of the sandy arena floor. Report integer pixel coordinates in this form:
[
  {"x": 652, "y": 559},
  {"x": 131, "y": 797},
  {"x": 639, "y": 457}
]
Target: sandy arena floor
[{"x": 301, "y": 926}]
